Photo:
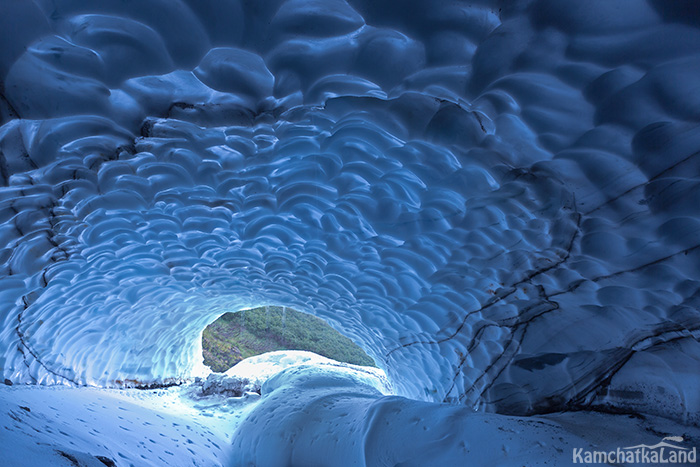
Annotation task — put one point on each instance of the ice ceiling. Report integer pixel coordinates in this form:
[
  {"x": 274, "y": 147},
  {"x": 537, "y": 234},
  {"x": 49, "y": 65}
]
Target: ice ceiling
[{"x": 497, "y": 200}]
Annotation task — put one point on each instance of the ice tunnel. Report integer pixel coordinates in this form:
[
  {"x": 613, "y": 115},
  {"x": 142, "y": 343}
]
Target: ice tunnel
[{"x": 497, "y": 200}]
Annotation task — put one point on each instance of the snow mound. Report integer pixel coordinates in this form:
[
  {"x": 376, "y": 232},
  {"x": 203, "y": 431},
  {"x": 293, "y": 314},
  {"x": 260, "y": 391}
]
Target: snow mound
[{"x": 251, "y": 374}]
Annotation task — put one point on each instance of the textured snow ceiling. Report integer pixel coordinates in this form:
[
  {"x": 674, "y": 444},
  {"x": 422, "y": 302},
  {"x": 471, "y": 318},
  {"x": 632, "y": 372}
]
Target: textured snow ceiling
[{"x": 497, "y": 200}]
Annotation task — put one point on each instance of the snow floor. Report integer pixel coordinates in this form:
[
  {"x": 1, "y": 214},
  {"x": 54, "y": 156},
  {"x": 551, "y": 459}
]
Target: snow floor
[
  {"x": 49, "y": 425},
  {"x": 313, "y": 412}
]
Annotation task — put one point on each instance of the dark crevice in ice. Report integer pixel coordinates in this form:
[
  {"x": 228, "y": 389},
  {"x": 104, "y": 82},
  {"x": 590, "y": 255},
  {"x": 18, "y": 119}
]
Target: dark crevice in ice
[
  {"x": 7, "y": 110},
  {"x": 4, "y": 170},
  {"x": 579, "y": 283},
  {"x": 642, "y": 185},
  {"x": 502, "y": 294},
  {"x": 71, "y": 458},
  {"x": 23, "y": 344},
  {"x": 595, "y": 381},
  {"x": 29, "y": 298}
]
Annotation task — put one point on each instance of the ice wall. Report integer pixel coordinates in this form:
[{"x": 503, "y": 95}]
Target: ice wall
[{"x": 497, "y": 200}]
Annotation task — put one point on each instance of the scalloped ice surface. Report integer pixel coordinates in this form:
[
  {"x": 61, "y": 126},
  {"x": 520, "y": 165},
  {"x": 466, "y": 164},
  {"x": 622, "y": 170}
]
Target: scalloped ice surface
[{"x": 498, "y": 203}]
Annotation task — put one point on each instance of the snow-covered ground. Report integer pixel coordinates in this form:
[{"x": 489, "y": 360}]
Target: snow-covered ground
[
  {"x": 191, "y": 424},
  {"x": 313, "y": 411},
  {"x": 46, "y": 426}
]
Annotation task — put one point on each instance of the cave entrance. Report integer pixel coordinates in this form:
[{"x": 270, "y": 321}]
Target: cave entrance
[{"x": 235, "y": 336}]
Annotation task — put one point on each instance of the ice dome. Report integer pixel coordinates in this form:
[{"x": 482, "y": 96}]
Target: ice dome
[{"x": 496, "y": 200}]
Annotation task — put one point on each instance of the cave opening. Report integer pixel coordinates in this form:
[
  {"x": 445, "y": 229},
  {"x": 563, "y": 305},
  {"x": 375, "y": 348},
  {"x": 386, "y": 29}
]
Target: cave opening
[{"x": 236, "y": 336}]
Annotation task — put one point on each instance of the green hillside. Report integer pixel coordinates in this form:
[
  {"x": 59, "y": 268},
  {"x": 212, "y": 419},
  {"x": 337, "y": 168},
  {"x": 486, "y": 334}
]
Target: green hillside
[{"x": 235, "y": 336}]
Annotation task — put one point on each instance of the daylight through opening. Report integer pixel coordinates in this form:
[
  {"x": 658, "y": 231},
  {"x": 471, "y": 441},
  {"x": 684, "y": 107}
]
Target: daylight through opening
[{"x": 235, "y": 336}]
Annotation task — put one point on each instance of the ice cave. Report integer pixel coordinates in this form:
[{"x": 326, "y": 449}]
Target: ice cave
[{"x": 498, "y": 200}]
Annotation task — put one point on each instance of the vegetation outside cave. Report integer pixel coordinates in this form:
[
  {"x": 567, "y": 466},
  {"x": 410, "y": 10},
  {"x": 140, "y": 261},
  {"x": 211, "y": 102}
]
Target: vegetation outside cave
[{"x": 246, "y": 333}]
